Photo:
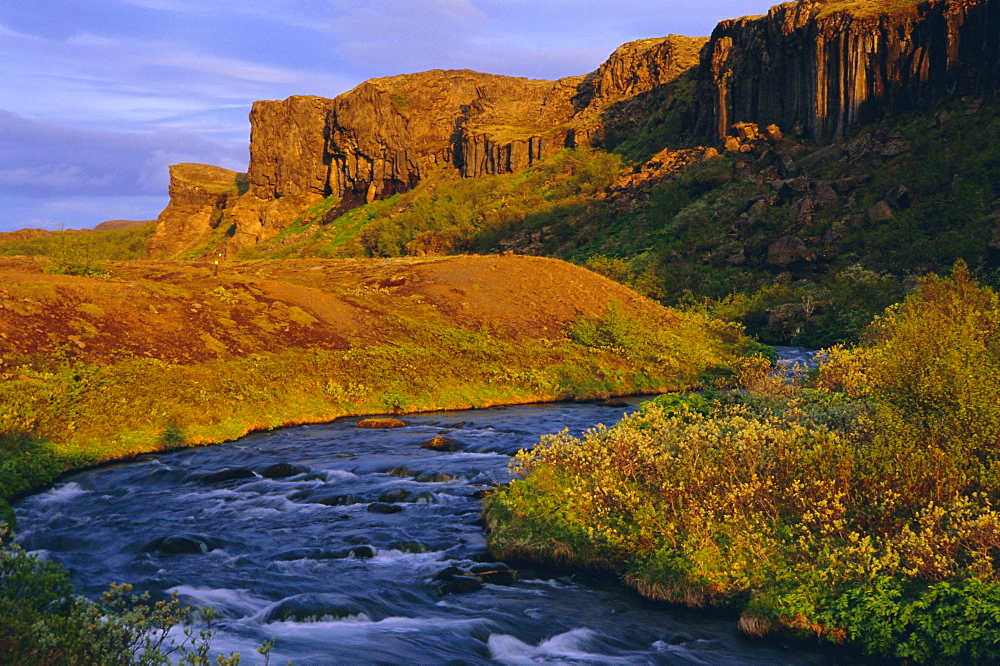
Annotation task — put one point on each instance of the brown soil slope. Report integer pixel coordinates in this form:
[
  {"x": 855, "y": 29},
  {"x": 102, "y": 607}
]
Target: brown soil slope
[{"x": 183, "y": 313}]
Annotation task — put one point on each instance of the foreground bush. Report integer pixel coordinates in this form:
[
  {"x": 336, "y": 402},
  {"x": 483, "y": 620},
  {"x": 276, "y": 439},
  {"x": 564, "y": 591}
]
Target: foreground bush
[
  {"x": 862, "y": 510},
  {"x": 44, "y": 622}
]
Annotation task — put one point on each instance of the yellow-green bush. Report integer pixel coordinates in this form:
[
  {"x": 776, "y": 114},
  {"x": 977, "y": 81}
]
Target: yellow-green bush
[{"x": 863, "y": 509}]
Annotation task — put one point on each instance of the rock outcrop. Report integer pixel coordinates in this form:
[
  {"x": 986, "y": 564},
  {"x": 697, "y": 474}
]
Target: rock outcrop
[
  {"x": 386, "y": 135},
  {"x": 815, "y": 68},
  {"x": 198, "y": 196},
  {"x": 827, "y": 68}
]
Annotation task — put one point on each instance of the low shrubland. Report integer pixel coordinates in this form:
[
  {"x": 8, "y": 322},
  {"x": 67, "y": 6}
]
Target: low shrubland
[
  {"x": 82, "y": 248},
  {"x": 862, "y": 509}
]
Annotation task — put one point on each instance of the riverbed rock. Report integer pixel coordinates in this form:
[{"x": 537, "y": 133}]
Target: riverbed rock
[
  {"x": 436, "y": 477},
  {"x": 183, "y": 544},
  {"x": 614, "y": 402},
  {"x": 364, "y": 552},
  {"x": 414, "y": 547},
  {"x": 459, "y": 584},
  {"x": 381, "y": 423},
  {"x": 448, "y": 572},
  {"x": 312, "y": 608},
  {"x": 281, "y": 470},
  {"x": 395, "y": 495},
  {"x": 444, "y": 444},
  {"x": 307, "y": 554},
  {"x": 495, "y": 573},
  {"x": 231, "y": 474},
  {"x": 402, "y": 471},
  {"x": 328, "y": 500}
]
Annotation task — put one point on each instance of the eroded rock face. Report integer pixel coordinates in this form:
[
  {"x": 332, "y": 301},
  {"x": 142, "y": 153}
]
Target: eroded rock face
[
  {"x": 287, "y": 147},
  {"x": 198, "y": 196},
  {"x": 387, "y": 134},
  {"x": 390, "y": 132},
  {"x": 828, "y": 72}
]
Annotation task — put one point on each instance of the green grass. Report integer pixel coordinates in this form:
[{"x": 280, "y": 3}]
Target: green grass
[{"x": 84, "y": 246}]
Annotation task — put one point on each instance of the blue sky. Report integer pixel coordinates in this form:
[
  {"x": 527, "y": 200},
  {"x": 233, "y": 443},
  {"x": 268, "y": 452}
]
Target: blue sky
[{"x": 99, "y": 97}]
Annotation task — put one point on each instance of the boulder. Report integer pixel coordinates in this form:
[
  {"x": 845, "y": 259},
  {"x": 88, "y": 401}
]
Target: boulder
[
  {"x": 281, "y": 470},
  {"x": 445, "y": 444},
  {"x": 880, "y": 211},
  {"x": 383, "y": 507},
  {"x": 183, "y": 544},
  {"x": 312, "y": 608}
]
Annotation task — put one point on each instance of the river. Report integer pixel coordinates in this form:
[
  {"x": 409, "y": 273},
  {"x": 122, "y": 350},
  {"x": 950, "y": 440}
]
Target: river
[{"x": 338, "y": 560}]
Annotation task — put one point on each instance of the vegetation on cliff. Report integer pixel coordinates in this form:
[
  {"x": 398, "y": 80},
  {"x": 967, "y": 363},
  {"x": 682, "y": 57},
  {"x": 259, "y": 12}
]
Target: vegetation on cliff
[{"x": 861, "y": 509}]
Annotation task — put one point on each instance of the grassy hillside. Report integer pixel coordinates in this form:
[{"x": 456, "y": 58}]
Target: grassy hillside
[{"x": 163, "y": 354}]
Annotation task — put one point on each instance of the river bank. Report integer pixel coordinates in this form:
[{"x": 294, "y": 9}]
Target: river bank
[
  {"x": 156, "y": 355},
  {"x": 369, "y": 550},
  {"x": 860, "y": 510}
]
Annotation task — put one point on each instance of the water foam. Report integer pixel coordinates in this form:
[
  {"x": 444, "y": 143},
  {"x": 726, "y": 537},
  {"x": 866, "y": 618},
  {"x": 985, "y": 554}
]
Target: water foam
[
  {"x": 571, "y": 646},
  {"x": 62, "y": 493}
]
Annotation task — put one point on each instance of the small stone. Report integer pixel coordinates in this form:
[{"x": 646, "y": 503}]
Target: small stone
[{"x": 381, "y": 423}]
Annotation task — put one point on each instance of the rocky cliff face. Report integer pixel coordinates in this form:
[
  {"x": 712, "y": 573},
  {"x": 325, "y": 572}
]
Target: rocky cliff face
[
  {"x": 385, "y": 135},
  {"x": 827, "y": 68},
  {"x": 199, "y": 195},
  {"x": 818, "y": 68}
]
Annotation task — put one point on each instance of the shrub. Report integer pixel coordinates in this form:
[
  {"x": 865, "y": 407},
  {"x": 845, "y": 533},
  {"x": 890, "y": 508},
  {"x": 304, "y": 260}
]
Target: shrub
[
  {"x": 862, "y": 509},
  {"x": 44, "y": 622}
]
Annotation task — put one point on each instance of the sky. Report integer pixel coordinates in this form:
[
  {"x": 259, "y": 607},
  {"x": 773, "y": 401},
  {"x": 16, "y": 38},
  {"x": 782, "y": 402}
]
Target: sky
[{"x": 99, "y": 97}]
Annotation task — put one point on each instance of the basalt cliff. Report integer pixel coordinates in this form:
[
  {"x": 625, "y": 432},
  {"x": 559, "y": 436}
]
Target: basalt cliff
[{"x": 816, "y": 69}]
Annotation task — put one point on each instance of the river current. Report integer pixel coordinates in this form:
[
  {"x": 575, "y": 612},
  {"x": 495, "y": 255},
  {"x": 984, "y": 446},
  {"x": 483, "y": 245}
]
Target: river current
[{"x": 364, "y": 548}]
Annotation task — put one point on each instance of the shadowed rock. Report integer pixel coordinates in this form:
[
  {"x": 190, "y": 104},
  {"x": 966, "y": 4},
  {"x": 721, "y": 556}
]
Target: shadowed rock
[{"x": 281, "y": 471}]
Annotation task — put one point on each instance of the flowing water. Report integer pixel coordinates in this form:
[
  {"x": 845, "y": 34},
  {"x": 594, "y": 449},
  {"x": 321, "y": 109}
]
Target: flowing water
[{"x": 341, "y": 560}]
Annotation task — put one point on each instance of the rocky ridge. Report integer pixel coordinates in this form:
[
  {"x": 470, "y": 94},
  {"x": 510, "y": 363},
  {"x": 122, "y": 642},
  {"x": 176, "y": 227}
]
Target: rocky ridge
[
  {"x": 827, "y": 68},
  {"x": 198, "y": 196},
  {"x": 387, "y": 134},
  {"x": 815, "y": 69}
]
